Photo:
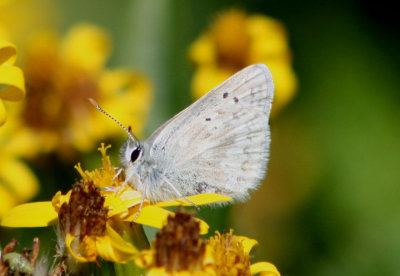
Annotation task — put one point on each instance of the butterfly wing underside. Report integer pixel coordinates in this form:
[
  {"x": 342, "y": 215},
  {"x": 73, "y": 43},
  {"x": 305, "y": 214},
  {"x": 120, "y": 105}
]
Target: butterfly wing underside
[{"x": 220, "y": 143}]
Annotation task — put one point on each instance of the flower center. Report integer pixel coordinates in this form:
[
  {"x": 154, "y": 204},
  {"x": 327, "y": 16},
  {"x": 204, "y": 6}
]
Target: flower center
[
  {"x": 56, "y": 92},
  {"x": 229, "y": 255},
  {"x": 84, "y": 214},
  {"x": 231, "y": 39},
  {"x": 178, "y": 245}
]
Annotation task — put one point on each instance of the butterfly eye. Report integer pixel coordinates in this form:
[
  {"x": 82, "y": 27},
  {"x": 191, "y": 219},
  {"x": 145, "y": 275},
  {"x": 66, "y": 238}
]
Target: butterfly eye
[{"x": 135, "y": 154}]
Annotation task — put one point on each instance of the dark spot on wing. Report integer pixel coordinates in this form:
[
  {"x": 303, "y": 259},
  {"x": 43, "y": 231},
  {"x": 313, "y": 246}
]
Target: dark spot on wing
[
  {"x": 200, "y": 187},
  {"x": 236, "y": 100},
  {"x": 208, "y": 119},
  {"x": 203, "y": 187},
  {"x": 225, "y": 95}
]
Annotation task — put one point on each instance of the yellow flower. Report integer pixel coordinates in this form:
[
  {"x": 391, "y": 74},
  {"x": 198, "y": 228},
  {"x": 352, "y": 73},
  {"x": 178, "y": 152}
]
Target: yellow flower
[
  {"x": 93, "y": 219},
  {"x": 228, "y": 254},
  {"x": 12, "y": 86},
  {"x": 236, "y": 40},
  {"x": 179, "y": 250},
  {"x": 20, "y": 18},
  {"x": 60, "y": 76},
  {"x": 17, "y": 183}
]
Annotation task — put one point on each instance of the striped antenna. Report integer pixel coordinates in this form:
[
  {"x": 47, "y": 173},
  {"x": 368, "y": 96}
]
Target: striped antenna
[{"x": 94, "y": 103}]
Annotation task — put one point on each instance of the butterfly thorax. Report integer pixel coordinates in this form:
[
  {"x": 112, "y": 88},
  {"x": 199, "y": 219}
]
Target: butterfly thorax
[{"x": 143, "y": 174}]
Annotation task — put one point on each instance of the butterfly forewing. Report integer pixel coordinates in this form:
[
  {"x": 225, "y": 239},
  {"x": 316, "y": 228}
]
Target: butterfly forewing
[{"x": 219, "y": 144}]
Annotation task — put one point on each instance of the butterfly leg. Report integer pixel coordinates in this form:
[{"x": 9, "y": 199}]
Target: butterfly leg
[
  {"x": 118, "y": 173},
  {"x": 179, "y": 194},
  {"x": 117, "y": 190},
  {"x": 140, "y": 209},
  {"x": 113, "y": 188},
  {"x": 123, "y": 184},
  {"x": 141, "y": 203}
]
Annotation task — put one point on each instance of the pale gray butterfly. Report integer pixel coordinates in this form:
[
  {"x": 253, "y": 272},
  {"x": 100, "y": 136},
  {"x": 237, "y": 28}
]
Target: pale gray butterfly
[{"x": 219, "y": 144}]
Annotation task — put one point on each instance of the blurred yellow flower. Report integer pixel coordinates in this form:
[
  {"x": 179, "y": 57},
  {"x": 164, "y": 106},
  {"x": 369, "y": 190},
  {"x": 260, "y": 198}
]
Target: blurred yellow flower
[
  {"x": 236, "y": 40},
  {"x": 91, "y": 216},
  {"x": 179, "y": 250},
  {"x": 60, "y": 76},
  {"x": 17, "y": 182},
  {"x": 20, "y": 18},
  {"x": 12, "y": 86}
]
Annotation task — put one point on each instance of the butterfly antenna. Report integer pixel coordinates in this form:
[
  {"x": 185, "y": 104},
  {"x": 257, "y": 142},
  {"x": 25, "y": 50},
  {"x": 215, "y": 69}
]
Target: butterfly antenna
[{"x": 95, "y": 104}]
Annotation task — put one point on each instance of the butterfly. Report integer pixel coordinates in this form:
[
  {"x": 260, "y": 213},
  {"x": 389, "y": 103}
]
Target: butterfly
[{"x": 219, "y": 144}]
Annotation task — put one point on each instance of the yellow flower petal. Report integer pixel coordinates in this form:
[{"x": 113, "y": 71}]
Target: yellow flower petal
[
  {"x": 269, "y": 39},
  {"x": 6, "y": 199},
  {"x": 19, "y": 179},
  {"x": 149, "y": 215},
  {"x": 12, "y": 85},
  {"x": 145, "y": 258},
  {"x": 206, "y": 78},
  {"x": 17, "y": 140},
  {"x": 160, "y": 271},
  {"x": 156, "y": 217},
  {"x": 13, "y": 79},
  {"x": 3, "y": 113},
  {"x": 59, "y": 199},
  {"x": 37, "y": 214},
  {"x": 120, "y": 204},
  {"x": 203, "y": 51},
  {"x": 285, "y": 84},
  {"x": 113, "y": 247},
  {"x": 17, "y": 182},
  {"x": 134, "y": 98},
  {"x": 3, "y": 32},
  {"x": 20, "y": 18},
  {"x": 247, "y": 243},
  {"x": 209, "y": 256},
  {"x": 4, "y": 2},
  {"x": 86, "y": 47},
  {"x": 201, "y": 199},
  {"x": 8, "y": 53},
  {"x": 69, "y": 239},
  {"x": 264, "y": 268}
]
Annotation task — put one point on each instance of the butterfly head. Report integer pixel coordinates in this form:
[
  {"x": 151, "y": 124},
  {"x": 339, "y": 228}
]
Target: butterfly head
[{"x": 131, "y": 152}]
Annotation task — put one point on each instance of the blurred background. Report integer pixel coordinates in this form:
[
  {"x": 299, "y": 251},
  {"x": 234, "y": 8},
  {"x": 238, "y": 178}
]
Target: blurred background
[{"x": 330, "y": 204}]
